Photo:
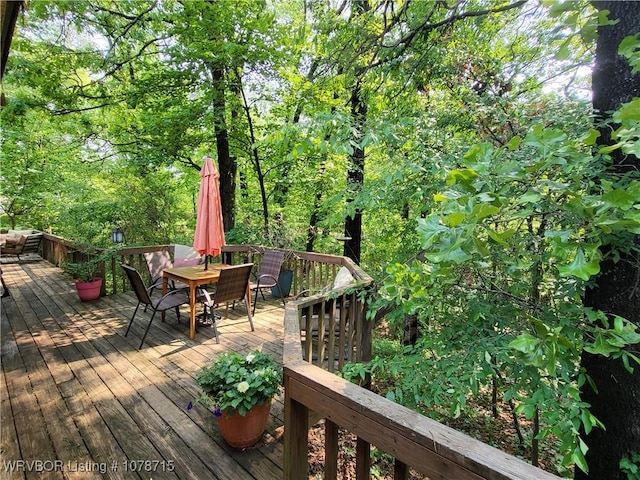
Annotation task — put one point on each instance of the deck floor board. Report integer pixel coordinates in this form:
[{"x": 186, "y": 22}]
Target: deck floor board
[{"x": 75, "y": 390}]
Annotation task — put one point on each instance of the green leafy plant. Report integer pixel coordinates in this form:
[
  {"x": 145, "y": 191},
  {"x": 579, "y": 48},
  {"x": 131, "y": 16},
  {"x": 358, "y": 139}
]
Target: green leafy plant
[
  {"x": 81, "y": 271},
  {"x": 236, "y": 383},
  {"x": 86, "y": 270},
  {"x": 631, "y": 466},
  {"x": 509, "y": 248}
]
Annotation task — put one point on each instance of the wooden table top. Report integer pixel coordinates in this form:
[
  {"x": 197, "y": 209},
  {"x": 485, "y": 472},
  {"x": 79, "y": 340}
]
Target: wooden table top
[{"x": 196, "y": 272}]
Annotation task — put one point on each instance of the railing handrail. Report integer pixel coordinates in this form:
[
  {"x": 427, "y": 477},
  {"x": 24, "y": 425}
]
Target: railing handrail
[
  {"x": 57, "y": 250},
  {"x": 416, "y": 441}
]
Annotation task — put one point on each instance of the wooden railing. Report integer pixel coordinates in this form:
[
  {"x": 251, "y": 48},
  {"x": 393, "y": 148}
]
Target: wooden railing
[
  {"x": 58, "y": 250},
  {"x": 312, "y": 272},
  {"x": 415, "y": 441}
]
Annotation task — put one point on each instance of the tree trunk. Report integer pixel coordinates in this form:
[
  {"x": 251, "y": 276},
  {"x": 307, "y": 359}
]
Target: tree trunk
[
  {"x": 355, "y": 178},
  {"x": 410, "y": 336},
  {"x": 617, "y": 289},
  {"x": 257, "y": 164},
  {"x": 315, "y": 214},
  {"x": 226, "y": 164},
  {"x": 355, "y": 171}
]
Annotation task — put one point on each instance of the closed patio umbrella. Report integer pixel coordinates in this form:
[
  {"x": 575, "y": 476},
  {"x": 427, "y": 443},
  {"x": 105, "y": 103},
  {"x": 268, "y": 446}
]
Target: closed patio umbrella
[{"x": 209, "y": 235}]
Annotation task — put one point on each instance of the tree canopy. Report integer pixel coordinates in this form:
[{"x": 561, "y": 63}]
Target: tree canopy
[{"x": 448, "y": 147}]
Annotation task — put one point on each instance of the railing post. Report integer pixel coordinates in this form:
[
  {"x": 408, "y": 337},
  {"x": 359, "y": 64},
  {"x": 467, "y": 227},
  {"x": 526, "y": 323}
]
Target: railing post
[
  {"x": 296, "y": 419},
  {"x": 102, "y": 271}
]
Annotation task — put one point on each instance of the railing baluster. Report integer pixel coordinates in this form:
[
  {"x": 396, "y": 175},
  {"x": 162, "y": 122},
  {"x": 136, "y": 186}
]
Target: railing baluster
[
  {"x": 330, "y": 450},
  {"x": 400, "y": 470},
  {"x": 309, "y": 335},
  {"x": 351, "y": 329},
  {"x": 331, "y": 347},
  {"x": 321, "y": 335},
  {"x": 363, "y": 460},
  {"x": 342, "y": 333}
]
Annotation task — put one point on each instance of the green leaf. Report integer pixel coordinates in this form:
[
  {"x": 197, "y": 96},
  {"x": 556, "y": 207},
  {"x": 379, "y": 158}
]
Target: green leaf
[
  {"x": 618, "y": 324},
  {"x": 501, "y": 237},
  {"x": 439, "y": 197},
  {"x": 558, "y": 8},
  {"x": 629, "y": 111},
  {"x": 430, "y": 230},
  {"x": 529, "y": 197},
  {"x": 525, "y": 343},
  {"x": 601, "y": 346},
  {"x": 610, "y": 148},
  {"x": 591, "y": 137},
  {"x": 578, "y": 458},
  {"x": 630, "y": 48},
  {"x": 514, "y": 143},
  {"x": 619, "y": 199},
  {"x": 589, "y": 31},
  {"x": 586, "y": 418},
  {"x": 484, "y": 210},
  {"x": 564, "y": 52},
  {"x": 580, "y": 267},
  {"x": 465, "y": 176},
  {"x": 454, "y": 219}
]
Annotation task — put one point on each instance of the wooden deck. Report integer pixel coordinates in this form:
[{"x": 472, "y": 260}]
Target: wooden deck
[{"x": 79, "y": 400}]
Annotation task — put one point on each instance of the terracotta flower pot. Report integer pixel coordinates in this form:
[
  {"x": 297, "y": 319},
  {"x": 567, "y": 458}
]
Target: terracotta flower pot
[
  {"x": 244, "y": 432},
  {"x": 89, "y": 290}
]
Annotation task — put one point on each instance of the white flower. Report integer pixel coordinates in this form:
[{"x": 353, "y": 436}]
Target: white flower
[
  {"x": 261, "y": 372},
  {"x": 243, "y": 387},
  {"x": 250, "y": 358}
]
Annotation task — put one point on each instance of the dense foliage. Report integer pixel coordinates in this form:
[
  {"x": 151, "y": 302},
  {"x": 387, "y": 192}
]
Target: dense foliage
[{"x": 459, "y": 134}]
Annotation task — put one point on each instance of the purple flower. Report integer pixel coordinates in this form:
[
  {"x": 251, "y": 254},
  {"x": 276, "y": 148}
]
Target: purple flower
[
  {"x": 190, "y": 406},
  {"x": 217, "y": 412}
]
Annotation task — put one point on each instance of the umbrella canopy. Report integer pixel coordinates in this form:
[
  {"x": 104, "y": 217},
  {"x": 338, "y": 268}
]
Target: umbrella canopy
[{"x": 209, "y": 235}]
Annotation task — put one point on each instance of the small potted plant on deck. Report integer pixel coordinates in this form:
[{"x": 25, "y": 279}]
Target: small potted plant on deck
[
  {"x": 240, "y": 389},
  {"x": 85, "y": 275}
]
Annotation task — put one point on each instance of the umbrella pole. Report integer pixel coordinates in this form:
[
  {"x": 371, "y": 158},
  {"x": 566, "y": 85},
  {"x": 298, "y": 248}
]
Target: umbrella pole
[{"x": 206, "y": 262}]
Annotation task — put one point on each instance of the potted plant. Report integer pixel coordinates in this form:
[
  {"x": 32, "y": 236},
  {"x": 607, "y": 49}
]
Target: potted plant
[
  {"x": 240, "y": 389},
  {"x": 85, "y": 275}
]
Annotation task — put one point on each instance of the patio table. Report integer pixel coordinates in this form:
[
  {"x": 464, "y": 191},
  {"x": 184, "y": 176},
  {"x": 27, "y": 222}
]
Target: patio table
[{"x": 194, "y": 276}]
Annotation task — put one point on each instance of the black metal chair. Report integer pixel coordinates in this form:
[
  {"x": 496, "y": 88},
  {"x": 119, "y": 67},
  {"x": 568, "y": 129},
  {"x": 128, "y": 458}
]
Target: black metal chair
[
  {"x": 231, "y": 287},
  {"x": 268, "y": 273},
  {"x": 172, "y": 299}
]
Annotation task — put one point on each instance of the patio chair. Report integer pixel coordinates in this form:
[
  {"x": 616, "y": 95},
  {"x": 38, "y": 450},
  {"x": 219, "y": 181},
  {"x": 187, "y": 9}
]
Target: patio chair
[
  {"x": 156, "y": 263},
  {"x": 231, "y": 287},
  {"x": 268, "y": 273},
  {"x": 173, "y": 299},
  {"x": 159, "y": 260},
  {"x": 32, "y": 245}
]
